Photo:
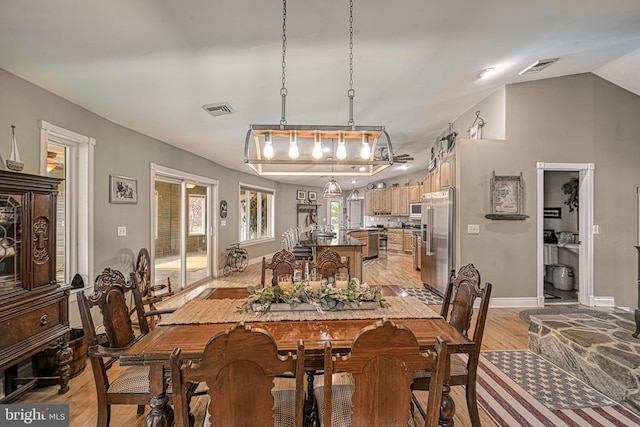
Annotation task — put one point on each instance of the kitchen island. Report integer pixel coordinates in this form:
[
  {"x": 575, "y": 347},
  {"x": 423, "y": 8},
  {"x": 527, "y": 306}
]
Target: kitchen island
[{"x": 343, "y": 244}]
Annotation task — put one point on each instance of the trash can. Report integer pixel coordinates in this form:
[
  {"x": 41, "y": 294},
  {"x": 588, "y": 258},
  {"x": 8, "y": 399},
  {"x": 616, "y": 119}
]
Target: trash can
[{"x": 563, "y": 277}]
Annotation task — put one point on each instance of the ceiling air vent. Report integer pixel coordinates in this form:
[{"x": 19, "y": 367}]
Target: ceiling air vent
[
  {"x": 221, "y": 109},
  {"x": 537, "y": 66}
]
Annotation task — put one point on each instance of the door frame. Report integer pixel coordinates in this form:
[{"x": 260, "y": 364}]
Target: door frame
[
  {"x": 212, "y": 215},
  {"x": 585, "y": 221}
]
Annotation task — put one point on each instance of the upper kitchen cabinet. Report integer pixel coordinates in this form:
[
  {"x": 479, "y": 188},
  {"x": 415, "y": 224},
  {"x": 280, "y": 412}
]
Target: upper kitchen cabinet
[
  {"x": 442, "y": 177},
  {"x": 414, "y": 193},
  {"x": 368, "y": 202}
]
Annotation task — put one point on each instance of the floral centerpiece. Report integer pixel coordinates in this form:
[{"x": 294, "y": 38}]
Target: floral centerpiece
[{"x": 327, "y": 297}]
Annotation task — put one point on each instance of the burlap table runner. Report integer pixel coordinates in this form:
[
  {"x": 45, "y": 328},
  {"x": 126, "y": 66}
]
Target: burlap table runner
[{"x": 225, "y": 311}]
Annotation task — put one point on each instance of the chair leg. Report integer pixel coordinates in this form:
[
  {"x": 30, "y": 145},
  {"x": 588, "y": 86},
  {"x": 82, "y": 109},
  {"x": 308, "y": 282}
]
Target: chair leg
[
  {"x": 472, "y": 404},
  {"x": 104, "y": 416},
  {"x": 140, "y": 410}
]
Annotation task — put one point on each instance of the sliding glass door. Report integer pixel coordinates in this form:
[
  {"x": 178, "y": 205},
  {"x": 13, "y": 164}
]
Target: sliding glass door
[{"x": 183, "y": 243}]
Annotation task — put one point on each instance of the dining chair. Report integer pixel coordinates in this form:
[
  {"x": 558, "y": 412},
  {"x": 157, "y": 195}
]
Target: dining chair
[
  {"x": 239, "y": 366},
  {"x": 382, "y": 361},
  {"x": 329, "y": 262},
  {"x": 131, "y": 385},
  {"x": 150, "y": 294},
  {"x": 458, "y": 307},
  {"x": 282, "y": 262}
]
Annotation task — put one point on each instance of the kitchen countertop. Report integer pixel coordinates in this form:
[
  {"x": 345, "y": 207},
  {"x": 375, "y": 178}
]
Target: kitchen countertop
[{"x": 342, "y": 238}]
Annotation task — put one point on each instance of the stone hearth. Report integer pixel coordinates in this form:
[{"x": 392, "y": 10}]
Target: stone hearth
[{"x": 595, "y": 346}]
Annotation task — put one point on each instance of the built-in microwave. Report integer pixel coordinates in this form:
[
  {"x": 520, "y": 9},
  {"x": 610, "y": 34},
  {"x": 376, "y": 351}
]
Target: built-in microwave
[{"x": 415, "y": 210}]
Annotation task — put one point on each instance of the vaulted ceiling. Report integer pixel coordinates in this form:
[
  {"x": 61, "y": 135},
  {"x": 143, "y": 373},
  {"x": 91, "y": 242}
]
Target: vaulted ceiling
[{"x": 150, "y": 65}]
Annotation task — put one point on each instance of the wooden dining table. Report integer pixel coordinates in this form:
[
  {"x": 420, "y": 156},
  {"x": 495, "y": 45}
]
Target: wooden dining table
[{"x": 155, "y": 348}]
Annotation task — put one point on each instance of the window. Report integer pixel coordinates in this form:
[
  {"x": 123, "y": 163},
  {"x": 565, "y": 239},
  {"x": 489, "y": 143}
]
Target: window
[
  {"x": 68, "y": 155},
  {"x": 256, "y": 213}
]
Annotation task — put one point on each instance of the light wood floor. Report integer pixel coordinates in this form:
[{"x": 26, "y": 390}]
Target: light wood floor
[{"x": 504, "y": 330}]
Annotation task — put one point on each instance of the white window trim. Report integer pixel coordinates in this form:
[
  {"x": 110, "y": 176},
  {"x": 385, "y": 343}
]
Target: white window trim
[
  {"x": 271, "y": 207},
  {"x": 81, "y": 236}
]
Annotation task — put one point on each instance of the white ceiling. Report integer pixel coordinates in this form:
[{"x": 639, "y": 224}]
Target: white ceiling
[{"x": 150, "y": 65}]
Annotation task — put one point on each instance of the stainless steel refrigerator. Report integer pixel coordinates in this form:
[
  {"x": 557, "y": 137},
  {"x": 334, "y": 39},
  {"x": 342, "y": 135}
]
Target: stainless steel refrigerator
[{"x": 437, "y": 234}]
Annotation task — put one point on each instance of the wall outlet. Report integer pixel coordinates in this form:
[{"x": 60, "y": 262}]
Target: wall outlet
[
  {"x": 596, "y": 229},
  {"x": 223, "y": 223},
  {"x": 473, "y": 229},
  {"x": 122, "y": 231}
]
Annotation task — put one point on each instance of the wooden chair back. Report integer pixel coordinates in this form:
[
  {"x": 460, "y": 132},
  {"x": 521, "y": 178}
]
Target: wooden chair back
[
  {"x": 239, "y": 366},
  {"x": 329, "y": 262},
  {"x": 459, "y": 300},
  {"x": 150, "y": 294},
  {"x": 283, "y": 262},
  {"x": 382, "y": 361},
  {"x": 110, "y": 295}
]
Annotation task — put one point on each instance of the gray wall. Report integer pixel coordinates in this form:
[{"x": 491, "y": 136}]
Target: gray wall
[
  {"x": 574, "y": 119},
  {"x": 125, "y": 152}
]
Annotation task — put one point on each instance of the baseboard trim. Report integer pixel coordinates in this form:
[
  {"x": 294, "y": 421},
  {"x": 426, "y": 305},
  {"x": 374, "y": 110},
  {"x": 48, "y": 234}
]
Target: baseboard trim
[
  {"x": 513, "y": 302},
  {"x": 602, "y": 302}
]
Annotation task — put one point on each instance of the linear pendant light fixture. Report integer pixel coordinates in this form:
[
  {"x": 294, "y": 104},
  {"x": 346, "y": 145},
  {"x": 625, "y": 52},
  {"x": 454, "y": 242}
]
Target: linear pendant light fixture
[{"x": 284, "y": 149}]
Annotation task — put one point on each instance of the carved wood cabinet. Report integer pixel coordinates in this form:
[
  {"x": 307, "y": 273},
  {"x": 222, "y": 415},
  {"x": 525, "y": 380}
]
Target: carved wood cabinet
[{"x": 33, "y": 306}]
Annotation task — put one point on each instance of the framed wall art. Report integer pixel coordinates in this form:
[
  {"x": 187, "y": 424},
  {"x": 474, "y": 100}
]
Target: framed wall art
[
  {"x": 506, "y": 197},
  {"x": 301, "y": 195},
  {"x": 123, "y": 189},
  {"x": 553, "y": 213},
  {"x": 313, "y": 196}
]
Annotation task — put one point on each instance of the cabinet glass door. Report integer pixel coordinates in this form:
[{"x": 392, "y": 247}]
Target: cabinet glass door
[{"x": 10, "y": 241}]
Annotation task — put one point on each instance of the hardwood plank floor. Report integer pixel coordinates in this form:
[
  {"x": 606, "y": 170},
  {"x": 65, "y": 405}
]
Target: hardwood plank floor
[{"x": 504, "y": 330}]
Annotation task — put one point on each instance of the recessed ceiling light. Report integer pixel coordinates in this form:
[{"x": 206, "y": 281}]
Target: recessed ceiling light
[
  {"x": 487, "y": 72},
  {"x": 353, "y": 181},
  {"x": 326, "y": 149},
  {"x": 362, "y": 169}
]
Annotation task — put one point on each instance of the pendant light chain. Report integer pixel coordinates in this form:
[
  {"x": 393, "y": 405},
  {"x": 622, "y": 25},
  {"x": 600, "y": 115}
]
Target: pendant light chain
[
  {"x": 351, "y": 93},
  {"x": 283, "y": 91}
]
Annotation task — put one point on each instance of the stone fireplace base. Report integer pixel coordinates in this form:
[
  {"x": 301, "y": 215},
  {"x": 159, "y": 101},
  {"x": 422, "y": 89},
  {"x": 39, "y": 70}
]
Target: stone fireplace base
[{"x": 595, "y": 346}]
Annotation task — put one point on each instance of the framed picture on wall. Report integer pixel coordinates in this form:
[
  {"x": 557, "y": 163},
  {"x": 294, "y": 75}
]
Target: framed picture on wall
[
  {"x": 301, "y": 195},
  {"x": 313, "y": 196},
  {"x": 123, "y": 189},
  {"x": 553, "y": 213}
]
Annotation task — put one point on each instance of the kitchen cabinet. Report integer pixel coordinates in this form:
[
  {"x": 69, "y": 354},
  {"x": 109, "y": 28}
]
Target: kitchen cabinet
[
  {"x": 404, "y": 201},
  {"x": 414, "y": 194},
  {"x": 368, "y": 203},
  {"x": 395, "y": 239},
  {"x": 442, "y": 177},
  {"x": 382, "y": 201},
  {"x": 447, "y": 172},
  {"x": 395, "y": 201},
  {"x": 363, "y": 236},
  {"x": 407, "y": 241},
  {"x": 33, "y": 306}
]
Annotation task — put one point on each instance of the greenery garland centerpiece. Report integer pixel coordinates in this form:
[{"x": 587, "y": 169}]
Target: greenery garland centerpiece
[{"x": 325, "y": 298}]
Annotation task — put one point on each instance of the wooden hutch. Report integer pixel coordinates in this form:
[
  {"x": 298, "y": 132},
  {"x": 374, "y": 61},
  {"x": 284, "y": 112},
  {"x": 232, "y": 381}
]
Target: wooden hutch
[{"x": 33, "y": 306}]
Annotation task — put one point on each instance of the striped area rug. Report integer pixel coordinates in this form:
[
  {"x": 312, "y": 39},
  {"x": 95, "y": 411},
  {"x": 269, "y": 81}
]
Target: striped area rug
[{"x": 521, "y": 388}]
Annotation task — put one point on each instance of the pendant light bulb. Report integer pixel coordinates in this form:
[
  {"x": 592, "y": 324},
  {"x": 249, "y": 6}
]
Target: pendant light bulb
[
  {"x": 293, "y": 145},
  {"x": 341, "y": 152},
  {"x": 365, "y": 153},
  {"x": 317, "y": 146},
  {"x": 268, "y": 146}
]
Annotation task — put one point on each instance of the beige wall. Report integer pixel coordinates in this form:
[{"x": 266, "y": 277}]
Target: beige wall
[
  {"x": 125, "y": 152},
  {"x": 574, "y": 119}
]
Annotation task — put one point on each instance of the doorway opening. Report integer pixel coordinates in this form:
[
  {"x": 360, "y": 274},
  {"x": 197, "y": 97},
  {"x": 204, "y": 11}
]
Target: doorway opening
[
  {"x": 564, "y": 229},
  {"x": 184, "y": 250}
]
